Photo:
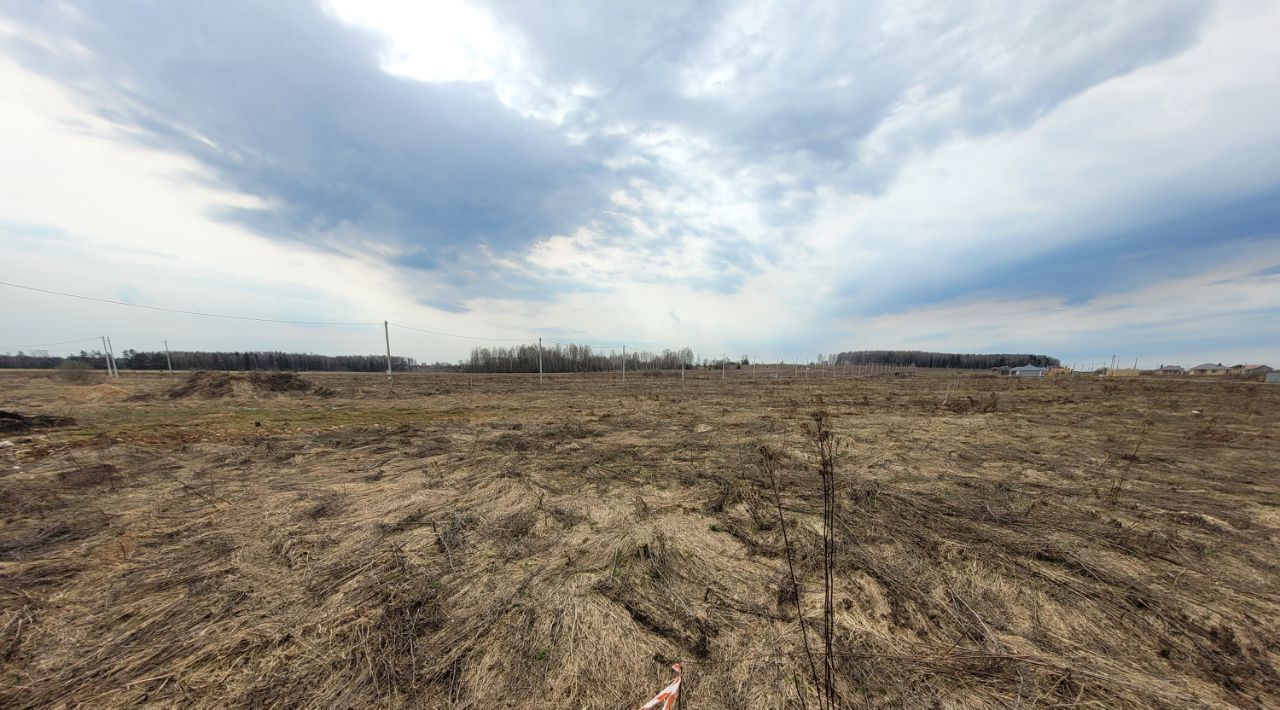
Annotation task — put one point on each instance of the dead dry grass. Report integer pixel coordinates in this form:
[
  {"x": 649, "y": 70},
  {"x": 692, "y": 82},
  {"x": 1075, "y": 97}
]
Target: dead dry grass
[{"x": 485, "y": 542}]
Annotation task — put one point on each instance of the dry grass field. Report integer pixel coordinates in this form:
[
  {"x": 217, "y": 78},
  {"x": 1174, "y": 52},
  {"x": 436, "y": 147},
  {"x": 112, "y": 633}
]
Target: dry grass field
[{"x": 490, "y": 542}]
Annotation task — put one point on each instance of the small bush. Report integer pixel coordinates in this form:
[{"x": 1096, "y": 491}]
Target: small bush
[{"x": 77, "y": 372}]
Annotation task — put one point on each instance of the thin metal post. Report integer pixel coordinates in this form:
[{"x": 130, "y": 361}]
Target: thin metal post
[
  {"x": 386, "y": 332},
  {"x": 539, "y": 360},
  {"x": 167, "y": 360}
]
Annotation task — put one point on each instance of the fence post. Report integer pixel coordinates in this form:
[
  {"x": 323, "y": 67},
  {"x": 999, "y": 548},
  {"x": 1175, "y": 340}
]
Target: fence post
[
  {"x": 386, "y": 332},
  {"x": 111, "y": 357},
  {"x": 539, "y": 360},
  {"x": 105, "y": 358}
]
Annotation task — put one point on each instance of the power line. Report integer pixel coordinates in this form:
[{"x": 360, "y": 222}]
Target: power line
[
  {"x": 178, "y": 310},
  {"x": 586, "y": 345},
  {"x": 277, "y": 320},
  {"x": 48, "y": 345},
  {"x": 468, "y": 337}
]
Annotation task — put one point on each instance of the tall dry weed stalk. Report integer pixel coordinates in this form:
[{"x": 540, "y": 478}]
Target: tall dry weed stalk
[
  {"x": 827, "y": 446},
  {"x": 769, "y": 462},
  {"x": 827, "y": 449},
  {"x": 1118, "y": 485}
]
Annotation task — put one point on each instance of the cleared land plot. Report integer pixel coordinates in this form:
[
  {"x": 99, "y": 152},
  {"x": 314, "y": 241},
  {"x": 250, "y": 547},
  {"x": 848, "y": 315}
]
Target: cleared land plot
[{"x": 488, "y": 542}]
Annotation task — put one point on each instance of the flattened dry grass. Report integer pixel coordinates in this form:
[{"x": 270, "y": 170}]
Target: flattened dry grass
[{"x": 482, "y": 542}]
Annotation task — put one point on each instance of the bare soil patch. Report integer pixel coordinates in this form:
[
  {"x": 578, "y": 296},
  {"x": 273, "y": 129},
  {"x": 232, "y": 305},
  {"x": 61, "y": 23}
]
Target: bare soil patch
[
  {"x": 101, "y": 393},
  {"x": 11, "y": 422},
  {"x": 214, "y": 385}
]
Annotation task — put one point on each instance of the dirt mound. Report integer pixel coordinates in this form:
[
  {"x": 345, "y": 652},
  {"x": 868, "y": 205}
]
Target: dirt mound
[
  {"x": 278, "y": 382},
  {"x": 209, "y": 385},
  {"x": 12, "y": 422},
  {"x": 216, "y": 385},
  {"x": 100, "y": 393}
]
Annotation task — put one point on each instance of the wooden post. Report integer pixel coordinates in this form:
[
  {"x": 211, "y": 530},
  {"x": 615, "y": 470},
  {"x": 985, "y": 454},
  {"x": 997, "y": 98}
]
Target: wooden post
[
  {"x": 624, "y": 363},
  {"x": 105, "y": 358},
  {"x": 386, "y": 332},
  {"x": 539, "y": 360},
  {"x": 167, "y": 360},
  {"x": 111, "y": 359}
]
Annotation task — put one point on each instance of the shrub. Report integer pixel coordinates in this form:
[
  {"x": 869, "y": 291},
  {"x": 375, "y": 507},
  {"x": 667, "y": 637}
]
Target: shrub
[{"x": 77, "y": 372}]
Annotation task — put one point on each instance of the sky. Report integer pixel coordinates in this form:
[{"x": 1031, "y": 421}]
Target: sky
[{"x": 1080, "y": 179}]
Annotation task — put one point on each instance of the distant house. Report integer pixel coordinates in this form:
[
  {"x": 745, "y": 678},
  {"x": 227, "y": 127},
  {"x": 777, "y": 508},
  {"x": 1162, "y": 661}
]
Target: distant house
[
  {"x": 1273, "y": 377},
  {"x": 1209, "y": 368},
  {"x": 1171, "y": 370},
  {"x": 1002, "y": 370},
  {"x": 1029, "y": 371},
  {"x": 1250, "y": 370}
]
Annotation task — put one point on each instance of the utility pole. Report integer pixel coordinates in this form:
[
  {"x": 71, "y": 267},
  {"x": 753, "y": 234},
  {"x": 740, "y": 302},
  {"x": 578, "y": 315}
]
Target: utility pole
[
  {"x": 111, "y": 357},
  {"x": 724, "y": 357},
  {"x": 386, "y": 332},
  {"x": 105, "y": 358},
  {"x": 539, "y": 360},
  {"x": 167, "y": 360}
]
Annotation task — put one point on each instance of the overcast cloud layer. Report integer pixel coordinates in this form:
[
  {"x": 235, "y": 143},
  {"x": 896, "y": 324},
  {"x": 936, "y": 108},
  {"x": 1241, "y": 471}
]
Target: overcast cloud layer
[{"x": 1080, "y": 179}]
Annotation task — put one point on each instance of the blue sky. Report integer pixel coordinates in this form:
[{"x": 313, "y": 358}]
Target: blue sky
[{"x": 1075, "y": 178}]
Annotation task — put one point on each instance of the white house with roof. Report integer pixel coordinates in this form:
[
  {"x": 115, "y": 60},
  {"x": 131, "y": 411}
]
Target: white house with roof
[
  {"x": 1029, "y": 371},
  {"x": 1249, "y": 370},
  {"x": 1209, "y": 368}
]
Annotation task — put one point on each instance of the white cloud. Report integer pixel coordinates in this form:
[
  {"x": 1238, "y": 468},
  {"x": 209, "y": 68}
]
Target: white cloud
[
  {"x": 727, "y": 229},
  {"x": 138, "y": 222},
  {"x": 1209, "y": 309}
]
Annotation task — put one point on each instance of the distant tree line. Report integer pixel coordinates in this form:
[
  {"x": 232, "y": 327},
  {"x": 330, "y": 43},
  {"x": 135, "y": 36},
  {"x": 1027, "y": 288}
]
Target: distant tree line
[
  {"x": 519, "y": 358},
  {"x": 37, "y": 362},
  {"x": 920, "y": 358},
  {"x": 202, "y": 360},
  {"x": 568, "y": 358}
]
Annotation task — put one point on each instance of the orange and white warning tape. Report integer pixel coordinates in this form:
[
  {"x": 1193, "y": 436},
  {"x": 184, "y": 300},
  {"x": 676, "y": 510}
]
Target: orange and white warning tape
[{"x": 666, "y": 700}]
